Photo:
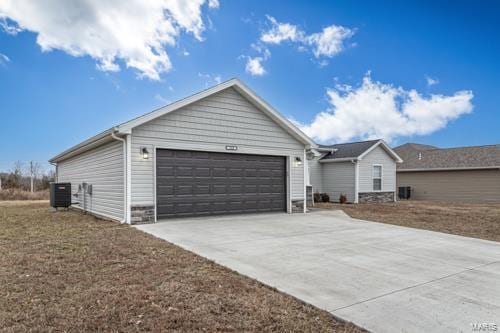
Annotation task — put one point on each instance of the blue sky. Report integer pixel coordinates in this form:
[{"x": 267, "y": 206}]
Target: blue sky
[{"x": 421, "y": 71}]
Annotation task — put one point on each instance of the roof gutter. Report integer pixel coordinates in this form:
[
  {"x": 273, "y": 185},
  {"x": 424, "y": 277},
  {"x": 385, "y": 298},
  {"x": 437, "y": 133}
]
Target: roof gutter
[
  {"x": 327, "y": 149},
  {"x": 83, "y": 146},
  {"x": 332, "y": 160},
  {"x": 97, "y": 140},
  {"x": 449, "y": 169}
]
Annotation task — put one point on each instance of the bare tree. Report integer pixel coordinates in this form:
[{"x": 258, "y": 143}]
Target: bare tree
[
  {"x": 33, "y": 172},
  {"x": 16, "y": 174}
]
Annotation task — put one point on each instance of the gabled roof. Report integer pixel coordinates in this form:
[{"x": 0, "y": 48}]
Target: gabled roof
[
  {"x": 353, "y": 150},
  {"x": 419, "y": 158},
  {"x": 125, "y": 128}
]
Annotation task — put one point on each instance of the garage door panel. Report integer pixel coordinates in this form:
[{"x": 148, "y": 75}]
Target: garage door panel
[{"x": 193, "y": 183}]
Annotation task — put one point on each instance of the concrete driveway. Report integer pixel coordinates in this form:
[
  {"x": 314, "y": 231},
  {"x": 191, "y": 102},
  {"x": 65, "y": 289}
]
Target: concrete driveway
[{"x": 381, "y": 277}]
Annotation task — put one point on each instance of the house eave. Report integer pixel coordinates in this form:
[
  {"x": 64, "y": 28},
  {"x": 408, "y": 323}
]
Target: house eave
[
  {"x": 344, "y": 159},
  {"x": 449, "y": 169},
  {"x": 95, "y": 141},
  {"x": 242, "y": 89},
  {"x": 126, "y": 128}
]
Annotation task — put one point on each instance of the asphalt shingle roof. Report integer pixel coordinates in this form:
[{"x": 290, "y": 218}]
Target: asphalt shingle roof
[
  {"x": 348, "y": 150},
  {"x": 417, "y": 156}
]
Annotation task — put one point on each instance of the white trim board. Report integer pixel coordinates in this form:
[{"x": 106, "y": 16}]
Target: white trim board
[
  {"x": 232, "y": 83},
  {"x": 449, "y": 169},
  {"x": 386, "y": 148},
  {"x": 288, "y": 167},
  {"x": 126, "y": 127},
  {"x": 381, "y": 177}
]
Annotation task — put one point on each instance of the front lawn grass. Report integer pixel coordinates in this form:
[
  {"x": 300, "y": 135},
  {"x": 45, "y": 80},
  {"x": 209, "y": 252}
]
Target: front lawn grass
[
  {"x": 64, "y": 271},
  {"x": 478, "y": 220}
]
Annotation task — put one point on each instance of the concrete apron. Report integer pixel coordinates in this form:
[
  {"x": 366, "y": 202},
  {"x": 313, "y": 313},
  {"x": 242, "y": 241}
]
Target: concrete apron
[{"x": 381, "y": 277}]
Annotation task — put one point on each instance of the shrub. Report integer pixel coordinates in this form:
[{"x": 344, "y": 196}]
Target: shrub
[
  {"x": 317, "y": 197},
  {"x": 325, "y": 197},
  {"x": 342, "y": 198},
  {"x": 15, "y": 194}
]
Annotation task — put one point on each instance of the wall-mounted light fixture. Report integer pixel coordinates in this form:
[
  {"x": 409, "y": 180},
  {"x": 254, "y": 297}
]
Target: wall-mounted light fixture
[
  {"x": 298, "y": 161},
  {"x": 144, "y": 153}
]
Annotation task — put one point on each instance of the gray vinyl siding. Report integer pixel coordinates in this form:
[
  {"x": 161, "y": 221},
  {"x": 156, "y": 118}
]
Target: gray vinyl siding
[
  {"x": 103, "y": 168},
  {"x": 315, "y": 174},
  {"x": 453, "y": 186},
  {"x": 381, "y": 157},
  {"x": 338, "y": 178},
  {"x": 225, "y": 118}
]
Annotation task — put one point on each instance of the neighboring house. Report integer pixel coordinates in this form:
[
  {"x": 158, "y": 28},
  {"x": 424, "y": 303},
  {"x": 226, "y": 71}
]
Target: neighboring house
[
  {"x": 221, "y": 151},
  {"x": 453, "y": 174},
  {"x": 363, "y": 171}
]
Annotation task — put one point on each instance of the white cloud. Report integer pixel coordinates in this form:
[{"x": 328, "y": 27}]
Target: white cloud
[
  {"x": 213, "y": 3},
  {"x": 210, "y": 80},
  {"x": 378, "y": 110},
  {"x": 134, "y": 31},
  {"x": 330, "y": 41},
  {"x": 280, "y": 32},
  {"x": 431, "y": 81},
  {"x": 327, "y": 43},
  {"x": 264, "y": 51},
  {"x": 254, "y": 66},
  {"x": 4, "y": 59}
]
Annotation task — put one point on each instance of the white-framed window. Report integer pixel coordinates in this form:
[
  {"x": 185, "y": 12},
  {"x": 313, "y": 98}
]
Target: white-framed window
[{"x": 377, "y": 177}]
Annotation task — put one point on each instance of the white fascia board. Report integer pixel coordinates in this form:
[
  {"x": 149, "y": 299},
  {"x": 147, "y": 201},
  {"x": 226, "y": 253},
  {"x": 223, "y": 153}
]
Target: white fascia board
[
  {"x": 275, "y": 115},
  {"x": 386, "y": 147},
  {"x": 88, "y": 144},
  {"x": 242, "y": 89},
  {"x": 333, "y": 160},
  {"x": 316, "y": 152},
  {"x": 449, "y": 169},
  {"x": 126, "y": 128}
]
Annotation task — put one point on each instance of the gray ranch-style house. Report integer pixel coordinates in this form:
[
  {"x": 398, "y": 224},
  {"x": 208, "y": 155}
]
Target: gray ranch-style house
[
  {"x": 223, "y": 150},
  {"x": 362, "y": 171}
]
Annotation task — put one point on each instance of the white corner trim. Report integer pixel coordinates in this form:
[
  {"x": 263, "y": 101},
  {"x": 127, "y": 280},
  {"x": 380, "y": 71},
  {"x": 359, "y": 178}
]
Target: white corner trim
[
  {"x": 304, "y": 167},
  {"x": 356, "y": 181},
  {"x": 289, "y": 183},
  {"x": 128, "y": 139},
  {"x": 154, "y": 184}
]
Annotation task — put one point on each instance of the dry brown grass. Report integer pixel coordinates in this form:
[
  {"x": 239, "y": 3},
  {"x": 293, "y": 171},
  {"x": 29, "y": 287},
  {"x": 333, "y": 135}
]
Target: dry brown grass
[
  {"x": 465, "y": 219},
  {"x": 15, "y": 194},
  {"x": 62, "y": 271}
]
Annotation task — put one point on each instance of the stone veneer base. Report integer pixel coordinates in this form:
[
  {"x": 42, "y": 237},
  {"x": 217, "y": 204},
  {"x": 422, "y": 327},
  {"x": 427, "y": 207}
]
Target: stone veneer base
[
  {"x": 142, "y": 214},
  {"x": 370, "y": 197}
]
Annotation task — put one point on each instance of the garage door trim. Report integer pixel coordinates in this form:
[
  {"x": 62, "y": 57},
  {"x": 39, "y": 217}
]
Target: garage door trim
[{"x": 241, "y": 151}]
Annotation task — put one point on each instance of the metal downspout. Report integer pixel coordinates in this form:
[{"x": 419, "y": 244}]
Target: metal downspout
[{"x": 125, "y": 189}]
